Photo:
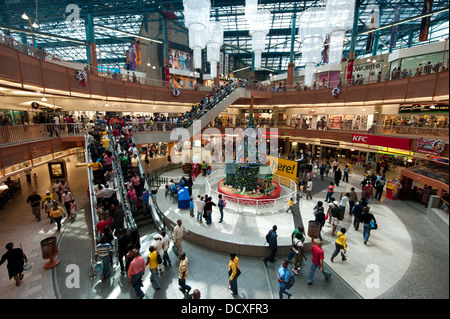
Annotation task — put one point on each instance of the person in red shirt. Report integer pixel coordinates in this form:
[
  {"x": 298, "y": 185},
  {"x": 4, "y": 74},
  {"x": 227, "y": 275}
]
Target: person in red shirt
[
  {"x": 367, "y": 193},
  {"x": 317, "y": 261},
  {"x": 100, "y": 227}
]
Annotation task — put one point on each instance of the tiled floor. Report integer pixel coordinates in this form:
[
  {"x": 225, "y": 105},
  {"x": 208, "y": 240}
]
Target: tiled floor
[{"x": 422, "y": 252}]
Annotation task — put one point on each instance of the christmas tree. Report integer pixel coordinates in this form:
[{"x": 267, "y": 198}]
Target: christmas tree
[{"x": 247, "y": 166}]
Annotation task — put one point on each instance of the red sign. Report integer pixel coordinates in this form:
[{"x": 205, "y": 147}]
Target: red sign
[
  {"x": 376, "y": 140},
  {"x": 336, "y": 122}
]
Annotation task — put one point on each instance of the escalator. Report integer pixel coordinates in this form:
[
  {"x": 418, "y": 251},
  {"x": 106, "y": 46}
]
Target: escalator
[
  {"x": 223, "y": 103},
  {"x": 156, "y": 217},
  {"x": 129, "y": 222}
]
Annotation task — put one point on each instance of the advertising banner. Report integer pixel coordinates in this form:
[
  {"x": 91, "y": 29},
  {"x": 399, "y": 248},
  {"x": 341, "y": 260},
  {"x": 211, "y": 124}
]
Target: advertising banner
[
  {"x": 179, "y": 60},
  {"x": 425, "y": 23},
  {"x": 336, "y": 123},
  {"x": 284, "y": 168},
  {"x": 393, "y": 41},
  {"x": 430, "y": 146}
]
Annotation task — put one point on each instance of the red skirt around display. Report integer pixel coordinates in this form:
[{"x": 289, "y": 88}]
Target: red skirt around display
[{"x": 249, "y": 199}]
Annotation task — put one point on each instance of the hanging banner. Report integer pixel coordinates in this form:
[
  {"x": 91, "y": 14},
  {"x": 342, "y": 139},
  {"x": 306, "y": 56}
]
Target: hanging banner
[
  {"x": 425, "y": 24},
  {"x": 137, "y": 47},
  {"x": 394, "y": 33},
  {"x": 373, "y": 24}
]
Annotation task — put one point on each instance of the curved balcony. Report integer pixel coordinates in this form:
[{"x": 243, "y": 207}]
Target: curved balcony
[{"x": 22, "y": 70}]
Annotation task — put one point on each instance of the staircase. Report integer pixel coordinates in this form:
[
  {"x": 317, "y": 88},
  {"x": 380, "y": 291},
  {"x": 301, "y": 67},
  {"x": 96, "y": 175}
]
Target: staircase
[{"x": 208, "y": 117}]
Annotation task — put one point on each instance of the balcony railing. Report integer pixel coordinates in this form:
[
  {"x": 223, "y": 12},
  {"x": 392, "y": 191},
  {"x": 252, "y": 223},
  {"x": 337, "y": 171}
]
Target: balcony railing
[
  {"x": 26, "y": 133},
  {"x": 28, "y": 49}
]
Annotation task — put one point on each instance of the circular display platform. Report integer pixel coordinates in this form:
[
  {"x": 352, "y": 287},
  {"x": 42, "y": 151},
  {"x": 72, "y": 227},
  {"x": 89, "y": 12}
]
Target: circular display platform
[{"x": 250, "y": 199}]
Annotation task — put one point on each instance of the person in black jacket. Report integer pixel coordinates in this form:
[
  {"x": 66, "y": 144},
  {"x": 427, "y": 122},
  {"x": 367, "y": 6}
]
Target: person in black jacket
[
  {"x": 357, "y": 212},
  {"x": 366, "y": 218},
  {"x": 271, "y": 238},
  {"x": 337, "y": 176},
  {"x": 208, "y": 210},
  {"x": 320, "y": 217},
  {"x": 16, "y": 259}
]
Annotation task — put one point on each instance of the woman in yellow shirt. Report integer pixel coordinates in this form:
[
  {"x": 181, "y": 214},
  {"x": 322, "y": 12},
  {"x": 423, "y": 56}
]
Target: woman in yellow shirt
[
  {"x": 341, "y": 245},
  {"x": 152, "y": 262},
  {"x": 234, "y": 272},
  {"x": 57, "y": 213}
]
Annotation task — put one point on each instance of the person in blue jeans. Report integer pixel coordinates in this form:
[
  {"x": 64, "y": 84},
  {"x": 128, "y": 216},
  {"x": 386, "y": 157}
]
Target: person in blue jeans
[
  {"x": 283, "y": 277},
  {"x": 221, "y": 208},
  {"x": 104, "y": 251},
  {"x": 317, "y": 261},
  {"x": 330, "y": 192},
  {"x": 366, "y": 218},
  {"x": 273, "y": 245}
]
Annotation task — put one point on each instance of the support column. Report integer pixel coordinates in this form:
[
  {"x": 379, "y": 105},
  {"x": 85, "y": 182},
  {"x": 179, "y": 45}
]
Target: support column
[
  {"x": 275, "y": 116},
  {"x": 351, "y": 55},
  {"x": 253, "y": 65},
  {"x": 166, "y": 75},
  {"x": 290, "y": 76},
  {"x": 377, "y": 118},
  {"x": 291, "y": 66},
  {"x": 91, "y": 48},
  {"x": 217, "y": 78}
]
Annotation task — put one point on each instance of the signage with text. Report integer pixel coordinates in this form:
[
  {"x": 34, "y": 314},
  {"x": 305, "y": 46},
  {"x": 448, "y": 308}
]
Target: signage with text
[
  {"x": 283, "y": 167},
  {"x": 375, "y": 140},
  {"x": 418, "y": 108}
]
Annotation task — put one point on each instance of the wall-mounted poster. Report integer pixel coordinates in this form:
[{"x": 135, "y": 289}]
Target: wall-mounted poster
[
  {"x": 57, "y": 170},
  {"x": 179, "y": 60}
]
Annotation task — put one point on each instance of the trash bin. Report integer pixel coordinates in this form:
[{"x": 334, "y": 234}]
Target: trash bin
[
  {"x": 313, "y": 229},
  {"x": 49, "y": 251}
]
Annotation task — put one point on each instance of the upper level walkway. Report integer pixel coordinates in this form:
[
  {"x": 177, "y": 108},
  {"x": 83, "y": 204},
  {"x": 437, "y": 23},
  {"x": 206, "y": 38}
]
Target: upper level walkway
[{"x": 20, "y": 70}]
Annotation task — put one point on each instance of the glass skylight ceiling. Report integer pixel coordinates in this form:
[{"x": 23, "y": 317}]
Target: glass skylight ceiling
[{"x": 128, "y": 15}]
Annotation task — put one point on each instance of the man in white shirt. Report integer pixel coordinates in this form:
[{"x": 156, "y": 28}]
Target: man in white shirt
[
  {"x": 200, "y": 204},
  {"x": 106, "y": 192},
  {"x": 57, "y": 189},
  {"x": 165, "y": 246},
  {"x": 178, "y": 233},
  {"x": 309, "y": 186},
  {"x": 343, "y": 203}
]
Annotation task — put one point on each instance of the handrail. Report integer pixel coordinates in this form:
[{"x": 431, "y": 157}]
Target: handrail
[
  {"x": 17, "y": 133},
  {"x": 270, "y": 203},
  {"x": 129, "y": 219},
  {"x": 93, "y": 202},
  {"x": 158, "y": 217}
]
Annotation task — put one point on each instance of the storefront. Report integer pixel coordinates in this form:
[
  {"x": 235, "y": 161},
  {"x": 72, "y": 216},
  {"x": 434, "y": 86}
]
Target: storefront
[
  {"x": 419, "y": 115},
  {"x": 332, "y": 122}
]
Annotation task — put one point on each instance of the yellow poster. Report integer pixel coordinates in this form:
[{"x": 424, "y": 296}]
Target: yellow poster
[{"x": 283, "y": 168}]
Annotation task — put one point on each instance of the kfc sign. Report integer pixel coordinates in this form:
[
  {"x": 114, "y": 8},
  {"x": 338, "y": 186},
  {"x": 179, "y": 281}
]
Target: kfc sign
[
  {"x": 376, "y": 140},
  {"x": 360, "y": 139}
]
